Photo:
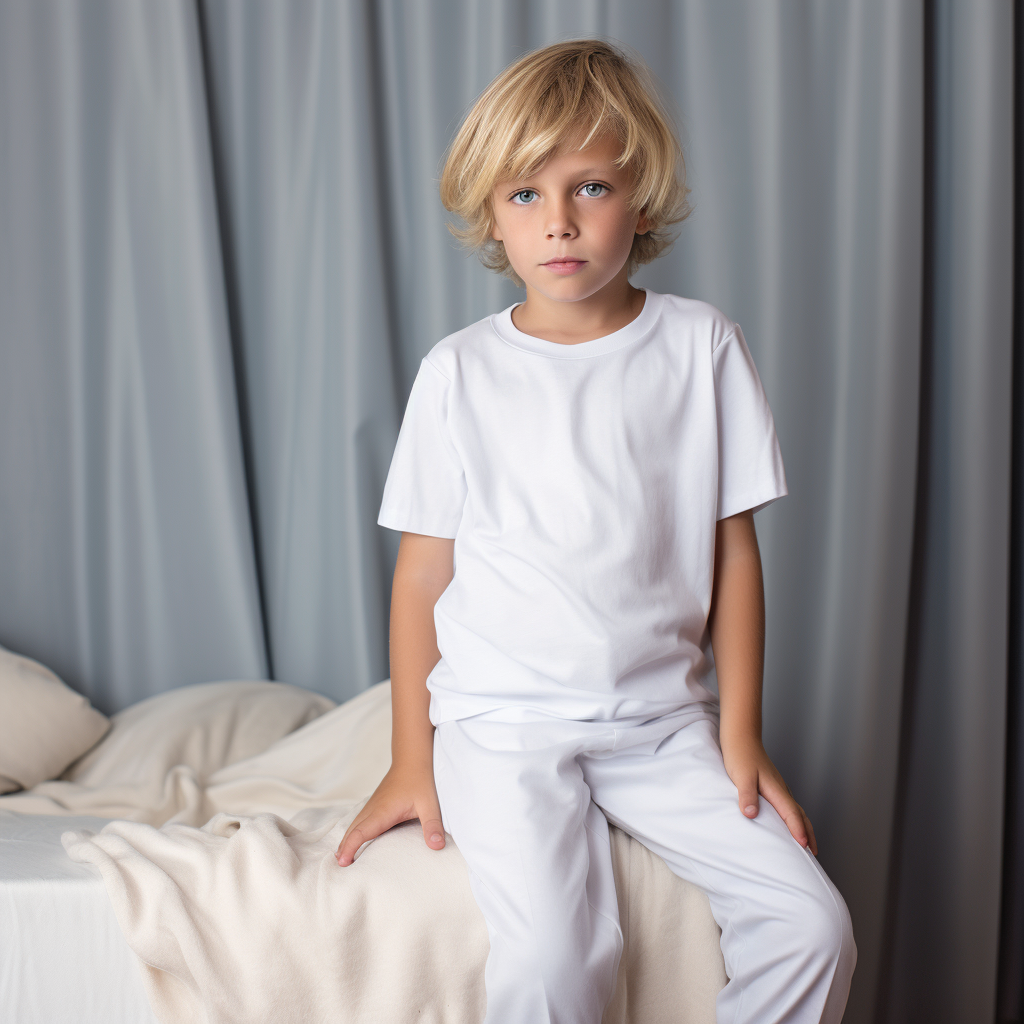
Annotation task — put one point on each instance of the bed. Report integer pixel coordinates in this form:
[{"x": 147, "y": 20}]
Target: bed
[
  {"x": 54, "y": 911},
  {"x": 183, "y": 870}
]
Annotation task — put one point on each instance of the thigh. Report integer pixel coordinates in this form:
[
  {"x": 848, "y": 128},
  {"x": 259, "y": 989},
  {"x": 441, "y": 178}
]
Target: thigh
[
  {"x": 680, "y": 802},
  {"x": 514, "y": 800}
]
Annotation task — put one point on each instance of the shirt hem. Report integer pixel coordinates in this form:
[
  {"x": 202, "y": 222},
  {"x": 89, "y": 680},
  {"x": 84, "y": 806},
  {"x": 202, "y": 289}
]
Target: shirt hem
[
  {"x": 402, "y": 524},
  {"x": 755, "y": 500}
]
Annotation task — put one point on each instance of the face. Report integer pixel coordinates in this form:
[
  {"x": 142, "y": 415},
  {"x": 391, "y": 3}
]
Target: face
[{"x": 567, "y": 228}]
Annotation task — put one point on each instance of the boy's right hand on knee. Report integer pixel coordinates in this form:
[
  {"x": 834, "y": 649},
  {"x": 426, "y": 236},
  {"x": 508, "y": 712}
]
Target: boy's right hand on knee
[{"x": 404, "y": 793}]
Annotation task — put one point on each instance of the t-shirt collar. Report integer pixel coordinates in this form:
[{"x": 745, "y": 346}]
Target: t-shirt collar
[{"x": 633, "y": 331}]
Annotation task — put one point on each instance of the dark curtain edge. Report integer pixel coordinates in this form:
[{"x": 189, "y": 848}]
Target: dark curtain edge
[
  {"x": 919, "y": 546},
  {"x": 1010, "y": 983},
  {"x": 233, "y": 307}
]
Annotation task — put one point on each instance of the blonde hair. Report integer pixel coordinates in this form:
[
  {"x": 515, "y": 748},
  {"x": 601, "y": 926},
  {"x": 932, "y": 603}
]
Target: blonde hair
[{"x": 556, "y": 96}]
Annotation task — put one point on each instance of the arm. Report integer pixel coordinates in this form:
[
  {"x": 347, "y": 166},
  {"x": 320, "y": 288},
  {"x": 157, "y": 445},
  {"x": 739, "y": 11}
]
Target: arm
[
  {"x": 736, "y": 624},
  {"x": 422, "y": 572}
]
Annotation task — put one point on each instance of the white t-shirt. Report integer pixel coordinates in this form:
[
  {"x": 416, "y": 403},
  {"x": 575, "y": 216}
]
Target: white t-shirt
[{"x": 581, "y": 484}]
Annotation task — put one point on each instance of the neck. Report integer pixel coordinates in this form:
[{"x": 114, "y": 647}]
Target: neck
[{"x": 570, "y": 322}]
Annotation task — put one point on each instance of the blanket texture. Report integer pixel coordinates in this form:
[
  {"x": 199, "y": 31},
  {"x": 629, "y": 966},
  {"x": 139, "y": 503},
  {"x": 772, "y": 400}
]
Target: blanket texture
[{"x": 249, "y": 918}]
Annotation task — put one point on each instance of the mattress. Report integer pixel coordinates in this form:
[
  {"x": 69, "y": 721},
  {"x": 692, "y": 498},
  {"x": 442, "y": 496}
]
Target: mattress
[{"x": 63, "y": 958}]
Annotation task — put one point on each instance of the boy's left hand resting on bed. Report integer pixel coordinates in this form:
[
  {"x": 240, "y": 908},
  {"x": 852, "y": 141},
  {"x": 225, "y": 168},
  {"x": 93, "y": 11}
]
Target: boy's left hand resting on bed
[{"x": 736, "y": 625}]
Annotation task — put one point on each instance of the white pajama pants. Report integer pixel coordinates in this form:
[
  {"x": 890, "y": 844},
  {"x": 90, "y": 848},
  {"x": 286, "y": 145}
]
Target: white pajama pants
[{"x": 528, "y": 805}]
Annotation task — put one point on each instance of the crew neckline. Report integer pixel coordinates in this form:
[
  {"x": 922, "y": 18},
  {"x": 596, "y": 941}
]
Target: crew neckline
[{"x": 637, "y": 328}]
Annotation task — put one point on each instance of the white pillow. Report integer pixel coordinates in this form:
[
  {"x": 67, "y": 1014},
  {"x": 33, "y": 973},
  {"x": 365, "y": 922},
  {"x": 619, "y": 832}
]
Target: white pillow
[
  {"x": 44, "y": 724},
  {"x": 205, "y": 726}
]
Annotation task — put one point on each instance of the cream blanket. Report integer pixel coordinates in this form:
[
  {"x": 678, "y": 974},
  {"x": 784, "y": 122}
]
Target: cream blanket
[{"x": 249, "y": 918}]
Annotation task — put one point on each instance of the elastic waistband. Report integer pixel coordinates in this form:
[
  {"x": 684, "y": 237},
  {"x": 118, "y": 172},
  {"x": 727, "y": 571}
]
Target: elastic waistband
[{"x": 525, "y": 714}]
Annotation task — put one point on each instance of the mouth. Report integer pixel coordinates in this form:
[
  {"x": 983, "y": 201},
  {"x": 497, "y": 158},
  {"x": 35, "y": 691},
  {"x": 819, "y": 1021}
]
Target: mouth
[{"x": 564, "y": 264}]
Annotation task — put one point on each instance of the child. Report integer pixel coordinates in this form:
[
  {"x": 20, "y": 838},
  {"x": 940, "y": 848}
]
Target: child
[{"x": 575, "y": 479}]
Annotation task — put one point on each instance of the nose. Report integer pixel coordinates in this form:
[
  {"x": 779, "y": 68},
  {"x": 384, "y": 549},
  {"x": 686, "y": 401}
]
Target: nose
[{"x": 559, "y": 222}]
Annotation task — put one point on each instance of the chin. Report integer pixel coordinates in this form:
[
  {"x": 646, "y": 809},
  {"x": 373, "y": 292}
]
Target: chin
[{"x": 569, "y": 289}]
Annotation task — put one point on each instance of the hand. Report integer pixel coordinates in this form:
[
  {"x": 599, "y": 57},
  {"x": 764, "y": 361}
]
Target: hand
[
  {"x": 752, "y": 771},
  {"x": 404, "y": 793}
]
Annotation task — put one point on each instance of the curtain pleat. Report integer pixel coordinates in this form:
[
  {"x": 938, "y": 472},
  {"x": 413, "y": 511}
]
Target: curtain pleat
[
  {"x": 126, "y": 559},
  {"x": 948, "y": 872},
  {"x": 222, "y": 256}
]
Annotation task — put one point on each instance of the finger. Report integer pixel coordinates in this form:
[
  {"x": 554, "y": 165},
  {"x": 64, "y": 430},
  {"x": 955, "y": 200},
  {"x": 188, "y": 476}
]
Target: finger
[
  {"x": 362, "y": 814},
  {"x": 810, "y": 833},
  {"x": 354, "y": 823},
  {"x": 366, "y": 830},
  {"x": 794, "y": 820},
  {"x": 345, "y": 853},
  {"x": 433, "y": 830},
  {"x": 748, "y": 801},
  {"x": 790, "y": 812}
]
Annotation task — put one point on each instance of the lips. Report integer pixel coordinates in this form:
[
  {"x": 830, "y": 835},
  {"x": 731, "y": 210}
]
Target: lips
[{"x": 564, "y": 264}]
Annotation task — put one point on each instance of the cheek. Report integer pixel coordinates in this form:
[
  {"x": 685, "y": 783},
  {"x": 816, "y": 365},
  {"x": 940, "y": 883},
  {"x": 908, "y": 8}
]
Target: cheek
[
  {"x": 617, "y": 232},
  {"x": 504, "y": 228},
  {"x": 499, "y": 222},
  {"x": 514, "y": 231}
]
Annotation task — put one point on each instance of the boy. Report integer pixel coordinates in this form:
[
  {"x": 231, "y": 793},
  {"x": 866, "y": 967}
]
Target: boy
[{"x": 575, "y": 480}]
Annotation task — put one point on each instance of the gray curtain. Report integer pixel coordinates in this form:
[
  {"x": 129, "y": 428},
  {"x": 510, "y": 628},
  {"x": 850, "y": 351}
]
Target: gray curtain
[
  {"x": 222, "y": 256},
  {"x": 126, "y": 552}
]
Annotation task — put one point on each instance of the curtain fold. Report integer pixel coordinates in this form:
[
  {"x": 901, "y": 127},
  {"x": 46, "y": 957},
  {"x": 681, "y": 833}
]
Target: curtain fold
[
  {"x": 126, "y": 558},
  {"x": 294, "y": 88},
  {"x": 222, "y": 256},
  {"x": 948, "y": 872}
]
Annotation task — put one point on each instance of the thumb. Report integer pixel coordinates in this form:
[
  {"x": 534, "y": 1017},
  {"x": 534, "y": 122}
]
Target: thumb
[
  {"x": 433, "y": 830},
  {"x": 748, "y": 798}
]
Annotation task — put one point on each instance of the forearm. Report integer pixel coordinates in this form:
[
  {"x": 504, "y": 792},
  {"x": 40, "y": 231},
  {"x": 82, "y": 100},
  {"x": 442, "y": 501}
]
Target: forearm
[
  {"x": 736, "y": 624},
  {"x": 423, "y": 570},
  {"x": 417, "y": 585}
]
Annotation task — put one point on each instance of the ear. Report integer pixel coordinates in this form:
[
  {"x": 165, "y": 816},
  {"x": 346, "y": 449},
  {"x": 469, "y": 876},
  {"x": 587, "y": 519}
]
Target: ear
[
  {"x": 643, "y": 225},
  {"x": 495, "y": 233}
]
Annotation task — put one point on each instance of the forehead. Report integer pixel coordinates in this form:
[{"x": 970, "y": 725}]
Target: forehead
[{"x": 598, "y": 156}]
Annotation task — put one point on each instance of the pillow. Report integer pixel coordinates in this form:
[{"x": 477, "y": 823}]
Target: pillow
[
  {"x": 205, "y": 727},
  {"x": 44, "y": 724}
]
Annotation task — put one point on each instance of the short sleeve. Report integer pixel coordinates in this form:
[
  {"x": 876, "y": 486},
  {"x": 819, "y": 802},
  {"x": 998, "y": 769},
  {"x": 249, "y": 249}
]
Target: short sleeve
[
  {"x": 426, "y": 488},
  {"x": 750, "y": 470}
]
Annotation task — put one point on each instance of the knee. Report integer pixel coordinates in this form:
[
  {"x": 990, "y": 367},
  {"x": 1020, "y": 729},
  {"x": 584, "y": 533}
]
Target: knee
[{"x": 822, "y": 927}]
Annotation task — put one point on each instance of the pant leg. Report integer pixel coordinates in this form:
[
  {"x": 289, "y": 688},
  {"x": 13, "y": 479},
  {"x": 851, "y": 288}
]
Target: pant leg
[
  {"x": 787, "y": 938},
  {"x": 514, "y": 800}
]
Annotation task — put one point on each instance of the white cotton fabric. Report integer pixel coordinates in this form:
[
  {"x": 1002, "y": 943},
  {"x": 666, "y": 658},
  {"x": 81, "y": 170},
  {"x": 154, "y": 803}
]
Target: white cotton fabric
[
  {"x": 582, "y": 485},
  {"x": 63, "y": 959}
]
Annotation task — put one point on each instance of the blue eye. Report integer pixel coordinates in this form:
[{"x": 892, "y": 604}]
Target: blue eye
[
  {"x": 528, "y": 192},
  {"x": 586, "y": 190}
]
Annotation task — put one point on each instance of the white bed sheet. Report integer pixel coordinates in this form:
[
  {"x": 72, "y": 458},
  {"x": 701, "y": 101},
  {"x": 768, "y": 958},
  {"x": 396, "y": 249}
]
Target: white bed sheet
[{"x": 63, "y": 958}]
